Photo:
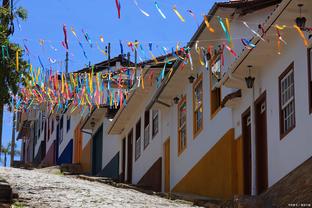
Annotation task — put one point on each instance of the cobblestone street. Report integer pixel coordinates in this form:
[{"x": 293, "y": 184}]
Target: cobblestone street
[{"x": 43, "y": 190}]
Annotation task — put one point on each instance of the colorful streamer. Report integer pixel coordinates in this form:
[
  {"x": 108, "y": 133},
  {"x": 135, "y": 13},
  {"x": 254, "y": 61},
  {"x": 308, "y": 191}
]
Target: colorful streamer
[
  {"x": 80, "y": 44},
  {"x": 228, "y": 27},
  {"x": 197, "y": 49},
  {"x": 230, "y": 50},
  {"x": 159, "y": 10},
  {"x": 118, "y": 7},
  {"x": 87, "y": 37},
  {"x": 208, "y": 24},
  {"x": 248, "y": 44},
  {"x": 225, "y": 30},
  {"x": 65, "y": 37},
  {"x": 17, "y": 60},
  {"x": 102, "y": 39},
  {"x": 305, "y": 41},
  {"x": 142, "y": 11},
  {"x": 178, "y": 13},
  {"x": 253, "y": 31},
  {"x": 193, "y": 15}
]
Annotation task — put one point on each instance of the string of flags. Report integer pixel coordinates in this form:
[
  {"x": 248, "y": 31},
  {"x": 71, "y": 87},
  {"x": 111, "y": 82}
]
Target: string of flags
[{"x": 61, "y": 90}]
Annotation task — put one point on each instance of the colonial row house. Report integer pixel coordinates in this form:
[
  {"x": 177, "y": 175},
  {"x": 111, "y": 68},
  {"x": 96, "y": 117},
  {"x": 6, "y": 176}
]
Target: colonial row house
[
  {"x": 180, "y": 137},
  {"x": 236, "y": 121},
  {"x": 56, "y": 138}
]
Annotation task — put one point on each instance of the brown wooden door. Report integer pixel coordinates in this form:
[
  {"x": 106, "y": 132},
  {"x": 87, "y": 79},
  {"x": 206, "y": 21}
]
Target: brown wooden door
[
  {"x": 246, "y": 132},
  {"x": 78, "y": 144},
  {"x": 123, "y": 160},
  {"x": 261, "y": 144},
  {"x": 167, "y": 165},
  {"x": 129, "y": 158}
]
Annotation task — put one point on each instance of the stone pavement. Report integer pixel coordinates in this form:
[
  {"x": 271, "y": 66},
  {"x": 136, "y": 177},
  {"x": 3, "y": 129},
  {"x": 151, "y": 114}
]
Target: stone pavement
[{"x": 46, "y": 190}]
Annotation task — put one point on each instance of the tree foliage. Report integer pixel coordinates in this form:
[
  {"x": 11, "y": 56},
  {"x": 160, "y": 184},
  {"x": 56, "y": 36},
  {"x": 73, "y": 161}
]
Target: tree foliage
[
  {"x": 7, "y": 151},
  {"x": 10, "y": 77}
]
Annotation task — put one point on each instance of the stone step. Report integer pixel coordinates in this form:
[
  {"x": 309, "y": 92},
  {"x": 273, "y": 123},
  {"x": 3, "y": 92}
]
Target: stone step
[{"x": 5, "y": 192}]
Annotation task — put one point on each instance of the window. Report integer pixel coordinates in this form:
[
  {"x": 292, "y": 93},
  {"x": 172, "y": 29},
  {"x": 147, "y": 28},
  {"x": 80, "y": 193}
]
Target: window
[
  {"x": 49, "y": 130},
  {"x": 52, "y": 125},
  {"x": 68, "y": 124},
  {"x": 182, "y": 125},
  {"x": 215, "y": 92},
  {"x": 198, "y": 105},
  {"x": 42, "y": 121},
  {"x": 138, "y": 140},
  {"x": 287, "y": 101},
  {"x": 310, "y": 77},
  {"x": 155, "y": 122},
  {"x": 61, "y": 129},
  {"x": 146, "y": 128}
]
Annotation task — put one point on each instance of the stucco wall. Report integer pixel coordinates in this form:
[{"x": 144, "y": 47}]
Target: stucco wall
[
  {"x": 111, "y": 144},
  {"x": 286, "y": 154}
]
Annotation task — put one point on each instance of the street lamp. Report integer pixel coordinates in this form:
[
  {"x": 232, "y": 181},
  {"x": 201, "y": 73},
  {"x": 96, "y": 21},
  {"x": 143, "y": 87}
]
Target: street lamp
[{"x": 250, "y": 80}]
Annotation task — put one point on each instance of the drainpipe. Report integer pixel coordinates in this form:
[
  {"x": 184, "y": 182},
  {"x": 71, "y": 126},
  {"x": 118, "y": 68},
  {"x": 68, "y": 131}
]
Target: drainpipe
[{"x": 253, "y": 145}]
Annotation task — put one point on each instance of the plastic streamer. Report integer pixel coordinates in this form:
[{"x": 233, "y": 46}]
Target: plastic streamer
[
  {"x": 80, "y": 44},
  {"x": 100, "y": 49},
  {"x": 87, "y": 37},
  {"x": 280, "y": 27},
  {"x": 280, "y": 38},
  {"x": 65, "y": 43},
  {"x": 197, "y": 49},
  {"x": 228, "y": 26},
  {"x": 41, "y": 63},
  {"x": 159, "y": 10},
  {"x": 253, "y": 31},
  {"x": 17, "y": 60},
  {"x": 143, "y": 12},
  {"x": 51, "y": 60},
  {"x": 208, "y": 24},
  {"x": 121, "y": 48},
  {"x": 230, "y": 50},
  {"x": 248, "y": 44},
  {"x": 191, "y": 60},
  {"x": 53, "y": 48},
  {"x": 224, "y": 29},
  {"x": 118, "y": 7},
  {"x": 143, "y": 51},
  {"x": 178, "y": 13},
  {"x": 305, "y": 41},
  {"x": 102, "y": 39},
  {"x": 193, "y": 15}
]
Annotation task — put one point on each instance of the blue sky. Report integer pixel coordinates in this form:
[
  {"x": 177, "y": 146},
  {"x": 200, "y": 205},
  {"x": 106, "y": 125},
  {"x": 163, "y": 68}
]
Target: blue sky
[{"x": 98, "y": 17}]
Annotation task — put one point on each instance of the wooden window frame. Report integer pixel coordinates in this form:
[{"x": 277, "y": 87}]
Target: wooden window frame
[
  {"x": 68, "y": 123},
  {"x": 282, "y": 76},
  {"x": 180, "y": 148},
  {"x": 309, "y": 52},
  {"x": 52, "y": 125},
  {"x": 138, "y": 140},
  {"x": 195, "y": 85},
  {"x": 146, "y": 129},
  {"x": 153, "y": 124},
  {"x": 214, "y": 112}
]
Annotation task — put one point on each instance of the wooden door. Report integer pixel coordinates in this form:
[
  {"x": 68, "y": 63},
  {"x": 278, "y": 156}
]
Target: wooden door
[
  {"x": 167, "y": 165},
  {"x": 130, "y": 156},
  {"x": 78, "y": 144},
  {"x": 57, "y": 143},
  {"x": 246, "y": 133},
  {"x": 123, "y": 160},
  {"x": 97, "y": 148},
  {"x": 261, "y": 144}
]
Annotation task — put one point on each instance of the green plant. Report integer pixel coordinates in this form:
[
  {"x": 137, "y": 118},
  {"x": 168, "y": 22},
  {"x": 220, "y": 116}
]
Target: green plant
[
  {"x": 17, "y": 205},
  {"x": 10, "y": 77},
  {"x": 6, "y": 151}
]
